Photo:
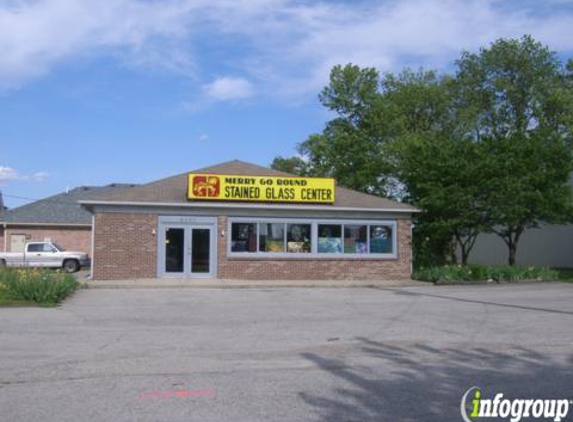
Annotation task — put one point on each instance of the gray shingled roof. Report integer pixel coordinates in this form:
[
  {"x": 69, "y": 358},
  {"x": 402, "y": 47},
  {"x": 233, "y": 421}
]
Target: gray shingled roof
[
  {"x": 173, "y": 190},
  {"x": 62, "y": 208}
]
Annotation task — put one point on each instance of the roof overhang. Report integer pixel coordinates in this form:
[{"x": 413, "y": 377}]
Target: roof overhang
[
  {"x": 257, "y": 206},
  {"x": 15, "y": 223}
]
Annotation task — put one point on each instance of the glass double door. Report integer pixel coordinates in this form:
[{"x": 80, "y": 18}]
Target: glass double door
[{"x": 188, "y": 251}]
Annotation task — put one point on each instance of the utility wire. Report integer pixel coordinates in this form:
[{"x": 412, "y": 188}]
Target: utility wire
[
  {"x": 57, "y": 200},
  {"x": 19, "y": 197}
]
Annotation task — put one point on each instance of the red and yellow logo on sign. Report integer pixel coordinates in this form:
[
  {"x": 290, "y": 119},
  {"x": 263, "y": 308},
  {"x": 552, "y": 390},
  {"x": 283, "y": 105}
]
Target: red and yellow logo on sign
[
  {"x": 206, "y": 186},
  {"x": 229, "y": 187}
]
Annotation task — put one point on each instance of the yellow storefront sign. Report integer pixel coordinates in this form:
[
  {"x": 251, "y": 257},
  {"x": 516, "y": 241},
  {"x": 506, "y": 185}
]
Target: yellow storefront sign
[{"x": 227, "y": 187}]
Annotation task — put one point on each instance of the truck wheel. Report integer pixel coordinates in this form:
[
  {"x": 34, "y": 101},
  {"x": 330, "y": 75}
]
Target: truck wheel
[{"x": 71, "y": 265}]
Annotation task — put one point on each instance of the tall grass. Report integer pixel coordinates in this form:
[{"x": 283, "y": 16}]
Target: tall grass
[{"x": 45, "y": 287}]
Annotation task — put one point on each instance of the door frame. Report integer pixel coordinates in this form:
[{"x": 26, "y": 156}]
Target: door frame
[{"x": 187, "y": 223}]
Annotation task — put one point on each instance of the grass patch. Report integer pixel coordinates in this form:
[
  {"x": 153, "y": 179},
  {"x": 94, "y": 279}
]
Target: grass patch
[
  {"x": 34, "y": 286},
  {"x": 460, "y": 274},
  {"x": 7, "y": 300},
  {"x": 565, "y": 274}
]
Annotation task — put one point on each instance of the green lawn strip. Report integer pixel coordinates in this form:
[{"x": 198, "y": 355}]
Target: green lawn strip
[
  {"x": 479, "y": 274},
  {"x": 565, "y": 274},
  {"x": 7, "y": 301}
]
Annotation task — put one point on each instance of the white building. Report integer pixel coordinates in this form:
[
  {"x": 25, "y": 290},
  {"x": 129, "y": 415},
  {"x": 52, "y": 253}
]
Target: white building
[{"x": 549, "y": 246}]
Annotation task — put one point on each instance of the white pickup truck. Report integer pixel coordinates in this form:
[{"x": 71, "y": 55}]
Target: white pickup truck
[{"x": 47, "y": 255}]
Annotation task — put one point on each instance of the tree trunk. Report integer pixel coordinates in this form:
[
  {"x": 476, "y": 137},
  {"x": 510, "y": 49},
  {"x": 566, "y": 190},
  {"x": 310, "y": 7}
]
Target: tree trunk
[
  {"x": 466, "y": 245},
  {"x": 512, "y": 252},
  {"x": 465, "y": 255},
  {"x": 512, "y": 244},
  {"x": 511, "y": 238}
]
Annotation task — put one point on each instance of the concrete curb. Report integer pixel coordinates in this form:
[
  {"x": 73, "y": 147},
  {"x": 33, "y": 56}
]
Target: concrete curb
[{"x": 247, "y": 284}]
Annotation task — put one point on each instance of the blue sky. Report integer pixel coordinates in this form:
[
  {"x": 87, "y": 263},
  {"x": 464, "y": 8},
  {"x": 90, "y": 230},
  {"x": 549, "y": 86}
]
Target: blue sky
[{"x": 95, "y": 92}]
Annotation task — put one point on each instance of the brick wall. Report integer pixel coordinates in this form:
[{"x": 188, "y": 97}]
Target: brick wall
[
  {"x": 319, "y": 269},
  {"x": 125, "y": 246},
  {"x": 71, "y": 238}
]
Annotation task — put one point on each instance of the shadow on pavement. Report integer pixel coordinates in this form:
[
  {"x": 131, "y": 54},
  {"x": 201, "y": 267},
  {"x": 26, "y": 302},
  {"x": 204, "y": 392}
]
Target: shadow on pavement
[
  {"x": 479, "y": 302},
  {"x": 423, "y": 383}
]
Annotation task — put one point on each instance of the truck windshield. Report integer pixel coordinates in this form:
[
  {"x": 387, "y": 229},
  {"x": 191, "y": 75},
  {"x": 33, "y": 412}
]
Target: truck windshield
[{"x": 58, "y": 247}]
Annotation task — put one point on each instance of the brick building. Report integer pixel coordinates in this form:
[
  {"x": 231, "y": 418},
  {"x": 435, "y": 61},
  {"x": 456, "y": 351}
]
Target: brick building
[
  {"x": 59, "y": 219},
  {"x": 214, "y": 223}
]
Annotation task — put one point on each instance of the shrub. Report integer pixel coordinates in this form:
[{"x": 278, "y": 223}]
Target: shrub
[
  {"x": 499, "y": 273},
  {"x": 565, "y": 274},
  {"x": 45, "y": 287}
]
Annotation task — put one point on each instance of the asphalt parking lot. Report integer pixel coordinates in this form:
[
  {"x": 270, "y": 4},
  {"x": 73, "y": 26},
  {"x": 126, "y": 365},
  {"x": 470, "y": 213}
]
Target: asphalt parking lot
[{"x": 283, "y": 354}]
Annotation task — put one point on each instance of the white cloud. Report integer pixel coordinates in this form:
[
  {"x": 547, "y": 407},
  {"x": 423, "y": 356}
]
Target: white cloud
[
  {"x": 36, "y": 35},
  {"x": 8, "y": 174},
  {"x": 390, "y": 35},
  {"x": 284, "y": 47},
  {"x": 203, "y": 137},
  {"x": 40, "y": 176},
  {"x": 228, "y": 88}
]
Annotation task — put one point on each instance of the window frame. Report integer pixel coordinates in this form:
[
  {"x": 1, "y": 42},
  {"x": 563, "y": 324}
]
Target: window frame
[
  {"x": 43, "y": 246},
  {"x": 341, "y": 237},
  {"x": 230, "y": 236},
  {"x": 367, "y": 253},
  {"x": 313, "y": 254},
  {"x": 265, "y": 221}
]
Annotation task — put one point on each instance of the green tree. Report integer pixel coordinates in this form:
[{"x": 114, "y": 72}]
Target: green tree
[
  {"x": 391, "y": 137},
  {"x": 527, "y": 184},
  {"x": 519, "y": 98},
  {"x": 438, "y": 166},
  {"x": 485, "y": 149},
  {"x": 444, "y": 178},
  {"x": 349, "y": 148},
  {"x": 293, "y": 165},
  {"x": 351, "y": 93}
]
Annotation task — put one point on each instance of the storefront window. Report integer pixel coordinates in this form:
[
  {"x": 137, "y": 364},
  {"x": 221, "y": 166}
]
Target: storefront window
[
  {"x": 380, "y": 239},
  {"x": 329, "y": 238},
  {"x": 244, "y": 237},
  {"x": 272, "y": 237},
  {"x": 299, "y": 238},
  {"x": 355, "y": 239}
]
